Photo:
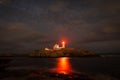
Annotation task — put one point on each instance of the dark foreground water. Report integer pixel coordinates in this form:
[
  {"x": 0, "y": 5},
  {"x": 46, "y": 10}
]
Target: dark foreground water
[{"x": 24, "y": 68}]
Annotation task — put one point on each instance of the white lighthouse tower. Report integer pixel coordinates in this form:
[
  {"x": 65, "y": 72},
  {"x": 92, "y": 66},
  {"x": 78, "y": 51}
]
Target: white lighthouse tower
[{"x": 63, "y": 44}]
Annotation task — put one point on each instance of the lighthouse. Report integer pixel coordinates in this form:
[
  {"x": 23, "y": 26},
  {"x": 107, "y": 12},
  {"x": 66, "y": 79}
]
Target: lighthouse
[{"x": 63, "y": 44}]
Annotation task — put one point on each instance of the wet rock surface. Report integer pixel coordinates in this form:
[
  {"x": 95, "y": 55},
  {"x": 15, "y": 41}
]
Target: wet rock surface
[
  {"x": 48, "y": 75},
  {"x": 61, "y": 76},
  {"x": 41, "y": 75}
]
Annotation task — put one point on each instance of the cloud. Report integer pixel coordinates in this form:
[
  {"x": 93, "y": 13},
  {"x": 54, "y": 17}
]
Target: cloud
[
  {"x": 5, "y": 2},
  {"x": 111, "y": 46},
  {"x": 18, "y": 31},
  {"x": 82, "y": 32},
  {"x": 17, "y": 36},
  {"x": 110, "y": 7},
  {"x": 58, "y": 6},
  {"x": 111, "y": 30}
]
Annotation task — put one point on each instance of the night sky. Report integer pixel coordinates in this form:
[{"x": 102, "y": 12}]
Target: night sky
[{"x": 27, "y": 25}]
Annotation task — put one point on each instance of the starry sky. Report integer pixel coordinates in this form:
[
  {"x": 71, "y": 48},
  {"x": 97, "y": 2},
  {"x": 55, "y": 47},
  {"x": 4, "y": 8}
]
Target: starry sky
[{"x": 27, "y": 25}]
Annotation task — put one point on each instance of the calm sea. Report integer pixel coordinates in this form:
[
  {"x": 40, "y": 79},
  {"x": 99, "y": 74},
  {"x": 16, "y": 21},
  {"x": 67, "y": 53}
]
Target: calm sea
[{"x": 94, "y": 65}]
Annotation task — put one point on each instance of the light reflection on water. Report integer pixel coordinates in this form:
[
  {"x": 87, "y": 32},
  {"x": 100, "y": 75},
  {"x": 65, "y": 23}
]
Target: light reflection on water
[
  {"x": 63, "y": 66},
  {"x": 101, "y": 68}
]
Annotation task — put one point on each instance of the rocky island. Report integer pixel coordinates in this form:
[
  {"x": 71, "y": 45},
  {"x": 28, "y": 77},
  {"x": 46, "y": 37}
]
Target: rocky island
[{"x": 62, "y": 51}]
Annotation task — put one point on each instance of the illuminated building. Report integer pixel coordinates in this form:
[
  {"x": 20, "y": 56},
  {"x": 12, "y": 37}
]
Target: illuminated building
[{"x": 57, "y": 47}]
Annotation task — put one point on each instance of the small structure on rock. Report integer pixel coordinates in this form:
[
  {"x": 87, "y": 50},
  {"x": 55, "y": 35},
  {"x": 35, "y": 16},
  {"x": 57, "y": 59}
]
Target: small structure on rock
[{"x": 57, "y": 47}]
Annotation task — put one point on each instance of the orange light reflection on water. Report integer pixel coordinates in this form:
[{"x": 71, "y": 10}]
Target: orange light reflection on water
[{"x": 63, "y": 65}]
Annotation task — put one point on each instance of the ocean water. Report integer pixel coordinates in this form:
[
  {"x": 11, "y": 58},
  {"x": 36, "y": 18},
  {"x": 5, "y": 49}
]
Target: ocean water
[{"x": 106, "y": 68}]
